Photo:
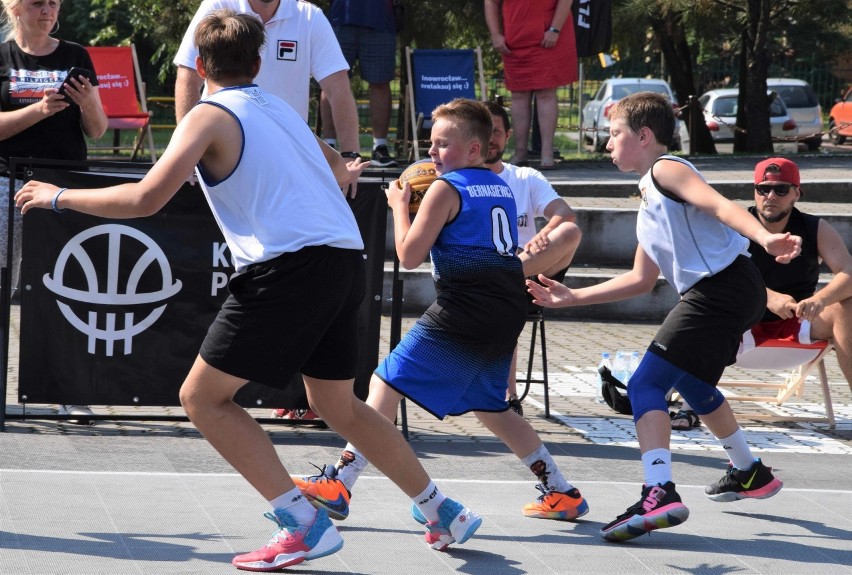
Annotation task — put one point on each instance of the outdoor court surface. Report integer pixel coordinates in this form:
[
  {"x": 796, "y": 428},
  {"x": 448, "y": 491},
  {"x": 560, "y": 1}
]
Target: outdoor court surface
[{"x": 154, "y": 498}]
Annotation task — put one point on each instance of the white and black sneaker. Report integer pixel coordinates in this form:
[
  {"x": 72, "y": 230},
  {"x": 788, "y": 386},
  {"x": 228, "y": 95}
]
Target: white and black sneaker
[{"x": 382, "y": 158}]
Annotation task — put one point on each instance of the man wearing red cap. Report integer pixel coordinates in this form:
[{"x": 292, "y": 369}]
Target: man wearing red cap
[{"x": 791, "y": 288}]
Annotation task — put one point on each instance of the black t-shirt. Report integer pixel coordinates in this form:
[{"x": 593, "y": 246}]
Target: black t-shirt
[
  {"x": 798, "y": 278},
  {"x": 23, "y": 79}
]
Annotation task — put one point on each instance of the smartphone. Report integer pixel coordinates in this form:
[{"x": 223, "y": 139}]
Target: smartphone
[{"x": 76, "y": 72}]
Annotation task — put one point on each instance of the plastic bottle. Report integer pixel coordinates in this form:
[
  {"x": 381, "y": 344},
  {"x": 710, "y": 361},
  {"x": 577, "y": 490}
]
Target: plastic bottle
[
  {"x": 620, "y": 366},
  {"x": 604, "y": 363},
  {"x": 632, "y": 364}
]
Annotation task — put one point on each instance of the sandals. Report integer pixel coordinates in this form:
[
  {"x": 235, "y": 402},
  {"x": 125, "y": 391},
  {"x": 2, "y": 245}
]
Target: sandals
[{"x": 684, "y": 419}]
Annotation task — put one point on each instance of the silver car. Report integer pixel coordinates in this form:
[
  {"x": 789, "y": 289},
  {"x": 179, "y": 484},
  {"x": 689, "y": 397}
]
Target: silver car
[
  {"x": 595, "y": 115},
  {"x": 720, "y": 115},
  {"x": 802, "y": 103}
]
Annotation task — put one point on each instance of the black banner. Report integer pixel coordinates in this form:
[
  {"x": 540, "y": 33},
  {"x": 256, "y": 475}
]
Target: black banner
[
  {"x": 592, "y": 26},
  {"x": 114, "y": 311}
]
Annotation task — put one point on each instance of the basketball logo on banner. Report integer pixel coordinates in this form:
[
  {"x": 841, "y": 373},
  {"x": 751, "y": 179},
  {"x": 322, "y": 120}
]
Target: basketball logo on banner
[{"x": 76, "y": 278}]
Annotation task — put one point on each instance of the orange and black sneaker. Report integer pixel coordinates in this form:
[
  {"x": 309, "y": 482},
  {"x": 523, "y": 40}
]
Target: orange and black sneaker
[
  {"x": 325, "y": 491},
  {"x": 557, "y": 505}
]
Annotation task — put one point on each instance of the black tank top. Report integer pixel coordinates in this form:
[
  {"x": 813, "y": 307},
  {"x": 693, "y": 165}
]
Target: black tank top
[{"x": 798, "y": 278}]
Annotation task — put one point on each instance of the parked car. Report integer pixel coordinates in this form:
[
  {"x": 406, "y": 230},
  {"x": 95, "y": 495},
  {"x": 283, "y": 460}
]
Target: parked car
[
  {"x": 803, "y": 105},
  {"x": 595, "y": 114},
  {"x": 720, "y": 115},
  {"x": 840, "y": 119}
]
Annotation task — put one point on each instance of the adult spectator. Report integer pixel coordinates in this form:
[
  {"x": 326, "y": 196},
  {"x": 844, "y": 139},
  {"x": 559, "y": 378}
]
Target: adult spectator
[
  {"x": 536, "y": 41},
  {"x": 35, "y": 120},
  {"x": 300, "y": 45},
  {"x": 366, "y": 31},
  {"x": 547, "y": 251},
  {"x": 791, "y": 293}
]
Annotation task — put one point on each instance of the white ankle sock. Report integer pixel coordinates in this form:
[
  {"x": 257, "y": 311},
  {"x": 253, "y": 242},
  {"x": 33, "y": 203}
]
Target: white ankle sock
[
  {"x": 428, "y": 501},
  {"x": 541, "y": 463},
  {"x": 296, "y": 505},
  {"x": 737, "y": 449},
  {"x": 379, "y": 142},
  {"x": 657, "y": 464},
  {"x": 350, "y": 465}
]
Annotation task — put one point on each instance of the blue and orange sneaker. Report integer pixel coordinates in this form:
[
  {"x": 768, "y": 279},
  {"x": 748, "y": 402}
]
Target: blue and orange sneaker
[
  {"x": 557, "y": 505},
  {"x": 325, "y": 491},
  {"x": 456, "y": 524},
  {"x": 756, "y": 482},
  {"x": 292, "y": 543},
  {"x": 659, "y": 507}
]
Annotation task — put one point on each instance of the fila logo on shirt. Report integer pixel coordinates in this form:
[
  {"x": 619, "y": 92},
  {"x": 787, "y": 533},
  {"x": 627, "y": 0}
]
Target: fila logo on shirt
[{"x": 287, "y": 50}]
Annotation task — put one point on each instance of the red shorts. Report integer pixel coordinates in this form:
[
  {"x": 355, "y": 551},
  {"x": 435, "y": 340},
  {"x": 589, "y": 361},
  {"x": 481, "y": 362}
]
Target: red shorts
[{"x": 781, "y": 344}]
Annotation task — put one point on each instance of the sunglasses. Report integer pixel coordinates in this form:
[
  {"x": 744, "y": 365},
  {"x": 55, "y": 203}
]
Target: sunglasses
[{"x": 780, "y": 190}]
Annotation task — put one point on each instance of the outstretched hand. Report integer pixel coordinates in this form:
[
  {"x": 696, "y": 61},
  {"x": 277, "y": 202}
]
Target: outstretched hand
[
  {"x": 35, "y": 195},
  {"x": 784, "y": 247},
  {"x": 550, "y": 293},
  {"x": 353, "y": 169}
]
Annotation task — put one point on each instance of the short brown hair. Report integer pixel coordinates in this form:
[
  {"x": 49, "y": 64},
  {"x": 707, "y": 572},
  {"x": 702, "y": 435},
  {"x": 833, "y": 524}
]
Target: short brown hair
[
  {"x": 650, "y": 110},
  {"x": 472, "y": 117},
  {"x": 229, "y": 44}
]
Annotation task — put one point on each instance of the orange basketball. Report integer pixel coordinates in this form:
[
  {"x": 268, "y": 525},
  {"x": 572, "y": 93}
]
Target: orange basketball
[{"x": 420, "y": 175}]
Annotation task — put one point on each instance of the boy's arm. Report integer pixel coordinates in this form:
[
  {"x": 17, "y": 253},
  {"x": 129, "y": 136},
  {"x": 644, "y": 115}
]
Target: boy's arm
[
  {"x": 688, "y": 185},
  {"x": 202, "y": 137},
  {"x": 346, "y": 173},
  {"x": 639, "y": 280},
  {"x": 414, "y": 239}
]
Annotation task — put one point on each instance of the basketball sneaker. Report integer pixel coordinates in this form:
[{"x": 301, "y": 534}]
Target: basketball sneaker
[
  {"x": 756, "y": 482},
  {"x": 557, "y": 505},
  {"x": 456, "y": 524},
  {"x": 325, "y": 491},
  {"x": 302, "y": 414},
  {"x": 381, "y": 157},
  {"x": 292, "y": 543},
  {"x": 659, "y": 507}
]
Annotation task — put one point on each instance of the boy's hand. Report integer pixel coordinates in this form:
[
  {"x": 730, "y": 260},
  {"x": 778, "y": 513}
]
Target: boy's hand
[
  {"x": 784, "y": 247},
  {"x": 398, "y": 197},
  {"x": 551, "y": 294},
  {"x": 35, "y": 195}
]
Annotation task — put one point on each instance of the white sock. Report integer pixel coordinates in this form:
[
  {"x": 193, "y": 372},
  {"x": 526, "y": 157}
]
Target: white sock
[
  {"x": 331, "y": 142},
  {"x": 658, "y": 466},
  {"x": 296, "y": 505},
  {"x": 541, "y": 463},
  {"x": 379, "y": 142},
  {"x": 737, "y": 449},
  {"x": 350, "y": 465},
  {"x": 428, "y": 501}
]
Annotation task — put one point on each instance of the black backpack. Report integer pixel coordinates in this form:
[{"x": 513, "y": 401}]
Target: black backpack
[{"x": 609, "y": 389}]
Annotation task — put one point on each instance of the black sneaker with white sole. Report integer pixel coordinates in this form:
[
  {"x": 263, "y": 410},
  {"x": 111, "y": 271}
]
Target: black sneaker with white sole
[{"x": 382, "y": 158}]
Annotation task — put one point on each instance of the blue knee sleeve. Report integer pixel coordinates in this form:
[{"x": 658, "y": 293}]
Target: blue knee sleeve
[{"x": 653, "y": 379}]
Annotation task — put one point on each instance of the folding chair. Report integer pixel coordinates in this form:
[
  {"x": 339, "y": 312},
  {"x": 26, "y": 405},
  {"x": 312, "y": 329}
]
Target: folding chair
[
  {"x": 123, "y": 95},
  {"x": 781, "y": 354},
  {"x": 435, "y": 77}
]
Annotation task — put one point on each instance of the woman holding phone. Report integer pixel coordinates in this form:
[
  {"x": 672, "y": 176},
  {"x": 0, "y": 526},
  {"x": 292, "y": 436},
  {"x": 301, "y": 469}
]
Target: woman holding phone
[{"x": 35, "y": 120}]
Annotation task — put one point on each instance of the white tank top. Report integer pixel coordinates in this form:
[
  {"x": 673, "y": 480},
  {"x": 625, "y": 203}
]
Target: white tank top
[
  {"x": 282, "y": 195},
  {"x": 685, "y": 243}
]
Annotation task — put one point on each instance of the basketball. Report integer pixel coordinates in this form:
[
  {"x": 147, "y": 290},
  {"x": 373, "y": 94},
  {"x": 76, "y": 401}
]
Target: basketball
[{"x": 420, "y": 175}]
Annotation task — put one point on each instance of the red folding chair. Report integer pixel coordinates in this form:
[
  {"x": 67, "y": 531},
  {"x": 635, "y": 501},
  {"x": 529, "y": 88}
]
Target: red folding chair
[{"x": 123, "y": 95}]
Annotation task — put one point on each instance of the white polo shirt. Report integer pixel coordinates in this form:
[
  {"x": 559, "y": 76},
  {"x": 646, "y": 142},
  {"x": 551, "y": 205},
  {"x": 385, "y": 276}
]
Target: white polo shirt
[
  {"x": 532, "y": 194},
  {"x": 299, "y": 44}
]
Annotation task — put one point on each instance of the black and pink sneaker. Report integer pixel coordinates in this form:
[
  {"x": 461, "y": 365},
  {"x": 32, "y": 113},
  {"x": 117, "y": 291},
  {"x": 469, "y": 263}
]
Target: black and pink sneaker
[
  {"x": 659, "y": 507},
  {"x": 756, "y": 482}
]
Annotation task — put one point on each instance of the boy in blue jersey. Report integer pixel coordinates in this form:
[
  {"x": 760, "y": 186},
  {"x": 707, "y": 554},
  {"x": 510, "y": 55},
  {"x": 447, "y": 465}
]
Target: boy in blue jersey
[
  {"x": 456, "y": 358},
  {"x": 293, "y": 239},
  {"x": 689, "y": 232}
]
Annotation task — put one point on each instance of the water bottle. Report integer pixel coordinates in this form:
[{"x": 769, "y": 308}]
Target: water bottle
[
  {"x": 604, "y": 363},
  {"x": 632, "y": 364},
  {"x": 620, "y": 366}
]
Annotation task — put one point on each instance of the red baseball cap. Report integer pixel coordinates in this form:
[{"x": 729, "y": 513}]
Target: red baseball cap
[{"x": 777, "y": 170}]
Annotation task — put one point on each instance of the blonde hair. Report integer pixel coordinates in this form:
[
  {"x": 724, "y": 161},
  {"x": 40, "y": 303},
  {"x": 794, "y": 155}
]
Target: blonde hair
[{"x": 472, "y": 117}]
